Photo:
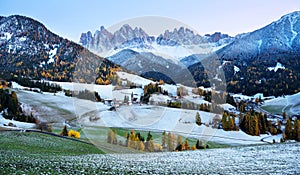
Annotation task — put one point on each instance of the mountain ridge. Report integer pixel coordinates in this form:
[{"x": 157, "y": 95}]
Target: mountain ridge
[
  {"x": 139, "y": 39},
  {"x": 29, "y": 49},
  {"x": 254, "y": 53}
]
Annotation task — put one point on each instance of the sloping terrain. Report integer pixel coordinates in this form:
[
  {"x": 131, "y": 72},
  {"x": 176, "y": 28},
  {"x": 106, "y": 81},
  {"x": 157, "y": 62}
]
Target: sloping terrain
[{"x": 28, "y": 48}]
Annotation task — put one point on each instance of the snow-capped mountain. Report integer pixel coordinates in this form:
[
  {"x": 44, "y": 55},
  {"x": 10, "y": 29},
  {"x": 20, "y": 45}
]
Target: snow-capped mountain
[
  {"x": 174, "y": 44},
  {"x": 104, "y": 41},
  {"x": 280, "y": 36},
  {"x": 250, "y": 62},
  {"x": 147, "y": 64},
  {"x": 29, "y": 49}
]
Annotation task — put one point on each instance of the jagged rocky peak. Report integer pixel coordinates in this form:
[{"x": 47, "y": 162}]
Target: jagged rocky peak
[
  {"x": 126, "y": 33},
  {"x": 103, "y": 40},
  {"x": 181, "y": 36},
  {"x": 217, "y": 36}
]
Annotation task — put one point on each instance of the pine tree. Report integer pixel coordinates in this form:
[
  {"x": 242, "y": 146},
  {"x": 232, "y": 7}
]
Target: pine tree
[
  {"x": 298, "y": 131},
  {"x": 288, "y": 129},
  {"x": 149, "y": 136},
  {"x": 131, "y": 141},
  {"x": 284, "y": 115},
  {"x": 225, "y": 122},
  {"x": 163, "y": 139},
  {"x": 263, "y": 123},
  {"x": 199, "y": 145},
  {"x": 170, "y": 142},
  {"x": 198, "y": 119},
  {"x": 179, "y": 140},
  {"x": 151, "y": 146},
  {"x": 109, "y": 136},
  {"x": 141, "y": 146},
  {"x": 13, "y": 106},
  {"x": 114, "y": 137},
  {"x": 64, "y": 131},
  {"x": 126, "y": 99},
  {"x": 256, "y": 127},
  {"x": 295, "y": 130},
  {"x": 187, "y": 145},
  {"x": 232, "y": 123}
]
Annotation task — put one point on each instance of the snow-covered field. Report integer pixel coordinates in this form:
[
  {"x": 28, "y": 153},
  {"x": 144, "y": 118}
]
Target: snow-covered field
[
  {"x": 57, "y": 108},
  {"x": 156, "y": 118},
  {"x": 172, "y": 89},
  {"x": 19, "y": 125},
  {"x": 60, "y": 108},
  {"x": 288, "y": 103},
  {"x": 267, "y": 159}
]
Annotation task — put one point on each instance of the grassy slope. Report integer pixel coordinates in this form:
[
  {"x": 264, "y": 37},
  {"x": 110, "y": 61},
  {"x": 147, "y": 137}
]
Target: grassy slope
[
  {"x": 37, "y": 153},
  {"x": 38, "y": 143}
]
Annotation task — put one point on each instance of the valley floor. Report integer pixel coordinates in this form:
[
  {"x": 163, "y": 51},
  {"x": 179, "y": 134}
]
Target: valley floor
[{"x": 60, "y": 109}]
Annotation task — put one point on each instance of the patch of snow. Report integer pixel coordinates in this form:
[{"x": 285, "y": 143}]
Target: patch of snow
[
  {"x": 259, "y": 95},
  {"x": 196, "y": 99},
  {"x": 292, "y": 22},
  {"x": 159, "y": 98},
  {"x": 227, "y": 107},
  {"x": 140, "y": 64},
  {"x": 46, "y": 46},
  {"x": 120, "y": 94},
  {"x": 22, "y": 39},
  {"x": 259, "y": 45},
  {"x": 278, "y": 66},
  {"x": 225, "y": 62},
  {"x": 52, "y": 53},
  {"x": 15, "y": 85},
  {"x": 58, "y": 108},
  {"x": 172, "y": 89},
  {"x": 217, "y": 78},
  {"x": 11, "y": 47},
  {"x": 105, "y": 91},
  {"x": 273, "y": 137},
  {"x": 42, "y": 63},
  {"x": 236, "y": 69},
  {"x": 7, "y": 36},
  {"x": 134, "y": 78},
  {"x": 22, "y": 125}
]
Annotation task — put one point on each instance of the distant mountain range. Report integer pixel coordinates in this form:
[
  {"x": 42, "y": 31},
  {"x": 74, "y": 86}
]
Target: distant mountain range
[
  {"x": 171, "y": 44},
  {"x": 240, "y": 57},
  {"x": 28, "y": 48},
  {"x": 248, "y": 61}
]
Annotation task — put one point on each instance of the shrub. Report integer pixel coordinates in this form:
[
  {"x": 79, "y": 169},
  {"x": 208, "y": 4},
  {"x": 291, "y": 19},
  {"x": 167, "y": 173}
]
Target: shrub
[{"x": 74, "y": 134}]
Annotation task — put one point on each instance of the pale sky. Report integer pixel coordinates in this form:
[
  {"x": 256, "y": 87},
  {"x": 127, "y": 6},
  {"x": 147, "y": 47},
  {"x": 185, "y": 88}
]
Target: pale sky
[{"x": 69, "y": 18}]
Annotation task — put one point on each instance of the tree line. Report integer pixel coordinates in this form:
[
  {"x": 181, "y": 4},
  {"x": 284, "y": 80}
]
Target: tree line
[
  {"x": 169, "y": 142},
  {"x": 11, "y": 108}
]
